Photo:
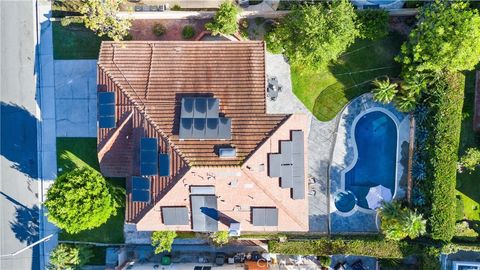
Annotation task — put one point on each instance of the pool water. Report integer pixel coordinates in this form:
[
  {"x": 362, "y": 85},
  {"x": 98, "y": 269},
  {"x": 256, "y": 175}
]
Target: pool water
[
  {"x": 376, "y": 143},
  {"x": 345, "y": 201},
  {"x": 381, "y": 2}
]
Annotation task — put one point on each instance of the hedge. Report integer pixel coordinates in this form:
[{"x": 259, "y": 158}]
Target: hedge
[
  {"x": 373, "y": 246},
  {"x": 444, "y": 136}
]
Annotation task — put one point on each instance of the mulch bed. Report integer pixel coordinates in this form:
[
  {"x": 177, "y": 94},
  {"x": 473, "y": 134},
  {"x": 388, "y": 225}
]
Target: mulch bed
[{"x": 142, "y": 29}]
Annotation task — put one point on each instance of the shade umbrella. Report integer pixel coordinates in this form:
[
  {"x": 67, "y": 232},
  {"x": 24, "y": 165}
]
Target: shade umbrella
[{"x": 378, "y": 194}]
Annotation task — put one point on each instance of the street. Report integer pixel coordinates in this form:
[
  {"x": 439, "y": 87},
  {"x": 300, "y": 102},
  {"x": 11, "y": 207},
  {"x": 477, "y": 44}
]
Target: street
[{"x": 19, "y": 220}]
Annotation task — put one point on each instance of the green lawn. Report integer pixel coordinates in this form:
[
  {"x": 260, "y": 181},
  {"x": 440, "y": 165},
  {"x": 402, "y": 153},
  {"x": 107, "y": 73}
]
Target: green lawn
[
  {"x": 79, "y": 152},
  {"x": 75, "y": 42},
  {"x": 327, "y": 91},
  {"x": 468, "y": 184}
]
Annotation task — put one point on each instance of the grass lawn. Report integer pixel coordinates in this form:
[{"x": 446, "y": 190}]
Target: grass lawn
[
  {"x": 467, "y": 184},
  {"x": 79, "y": 152},
  {"x": 75, "y": 42},
  {"x": 327, "y": 91}
]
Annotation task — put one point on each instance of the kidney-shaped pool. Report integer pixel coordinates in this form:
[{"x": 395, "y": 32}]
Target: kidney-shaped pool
[{"x": 375, "y": 136}]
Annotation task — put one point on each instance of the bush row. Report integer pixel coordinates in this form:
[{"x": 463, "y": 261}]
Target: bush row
[{"x": 445, "y": 106}]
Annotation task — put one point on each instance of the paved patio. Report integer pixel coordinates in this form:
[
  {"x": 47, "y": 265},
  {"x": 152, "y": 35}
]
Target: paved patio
[
  {"x": 76, "y": 98},
  {"x": 321, "y": 137}
]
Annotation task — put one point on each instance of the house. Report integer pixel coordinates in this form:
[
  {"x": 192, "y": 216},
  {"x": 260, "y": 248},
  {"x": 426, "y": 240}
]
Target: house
[{"x": 186, "y": 124}]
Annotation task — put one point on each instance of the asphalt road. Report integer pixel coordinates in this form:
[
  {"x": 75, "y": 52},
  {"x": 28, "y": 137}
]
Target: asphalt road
[{"x": 18, "y": 149}]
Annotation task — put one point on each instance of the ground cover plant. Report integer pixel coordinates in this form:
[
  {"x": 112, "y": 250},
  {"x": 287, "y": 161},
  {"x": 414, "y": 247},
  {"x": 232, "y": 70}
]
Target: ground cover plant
[{"x": 75, "y": 153}]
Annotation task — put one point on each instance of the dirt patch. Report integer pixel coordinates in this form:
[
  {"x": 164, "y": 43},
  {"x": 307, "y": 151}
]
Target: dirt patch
[{"x": 142, "y": 29}]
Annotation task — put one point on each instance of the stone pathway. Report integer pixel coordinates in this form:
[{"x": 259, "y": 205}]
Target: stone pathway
[
  {"x": 76, "y": 98},
  {"x": 321, "y": 136}
]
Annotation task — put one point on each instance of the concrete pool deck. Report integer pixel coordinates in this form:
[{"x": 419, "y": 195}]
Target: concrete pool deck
[{"x": 361, "y": 220}]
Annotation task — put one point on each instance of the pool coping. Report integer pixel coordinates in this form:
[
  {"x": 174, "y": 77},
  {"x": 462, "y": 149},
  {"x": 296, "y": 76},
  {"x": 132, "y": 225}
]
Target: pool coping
[{"x": 368, "y": 105}]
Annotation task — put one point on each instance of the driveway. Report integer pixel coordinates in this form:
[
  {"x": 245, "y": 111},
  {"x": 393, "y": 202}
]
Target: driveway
[{"x": 76, "y": 98}]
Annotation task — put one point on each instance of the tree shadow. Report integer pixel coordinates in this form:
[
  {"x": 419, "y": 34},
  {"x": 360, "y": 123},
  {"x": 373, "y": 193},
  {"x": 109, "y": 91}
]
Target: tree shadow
[
  {"x": 26, "y": 224},
  {"x": 19, "y": 138}
]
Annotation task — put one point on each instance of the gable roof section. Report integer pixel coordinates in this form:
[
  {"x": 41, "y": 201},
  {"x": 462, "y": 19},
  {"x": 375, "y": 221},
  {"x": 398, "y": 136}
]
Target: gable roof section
[{"x": 156, "y": 75}]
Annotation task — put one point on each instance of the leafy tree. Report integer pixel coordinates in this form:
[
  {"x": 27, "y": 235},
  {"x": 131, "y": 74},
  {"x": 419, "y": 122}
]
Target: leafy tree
[
  {"x": 163, "y": 240},
  {"x": 313, "y": 35},
  {"x": 470, "y": 160},
  {"x": 384, "y": 90},
  {"x": 373, "y": 23},
  {"x": 80, "y": 200},
  {"x": 101, "y": 17},
  {"x": 447, "y": 37},
  {"x": 398, "y": 222},
  {"x": 220, "y": 238},
  {"x": 225, "y": 20},
  {"x": 66, "y": 257}
]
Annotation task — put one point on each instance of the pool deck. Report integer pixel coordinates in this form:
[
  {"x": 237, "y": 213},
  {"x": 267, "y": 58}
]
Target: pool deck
[{"x": 362, "y": 220}]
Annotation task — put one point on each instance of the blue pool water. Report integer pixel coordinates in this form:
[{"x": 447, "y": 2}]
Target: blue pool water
[
  {"x": 381, "y": 2},
  {"x": 376, "y": 139}
]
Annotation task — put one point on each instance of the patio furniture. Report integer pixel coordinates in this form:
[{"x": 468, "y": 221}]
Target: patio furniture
[
  {"x": 272, "y": 94},
  {"x": 153, "y": 8}
]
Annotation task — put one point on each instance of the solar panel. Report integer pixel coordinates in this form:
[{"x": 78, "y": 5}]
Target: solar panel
[
  {"x": 211, "y": 132},
  {"x": 264, "y": 216},
  {"x": 200, "y": 108},
  {"x": 175, "y": 215},
  {"x": 225, "y": 128},
  {"x": 286, "y": 150},
  {"x": 148, "y": 156},
  {"x": 163, "y": 164},
  {"x": 274, "y": 162},
  {"x": 298, "y": 191},
  {"x": 186, "y": 128},
  {"x": 286, "y": 176},
  {"x": 199, "y": 126},
  {"x": 140, "y": 189},
  {"x": 297, "y": 142},
  {"x": 212, "y": 107},
  {"x": 187, "y": 107},
  {"x": 106, "y": 109}
]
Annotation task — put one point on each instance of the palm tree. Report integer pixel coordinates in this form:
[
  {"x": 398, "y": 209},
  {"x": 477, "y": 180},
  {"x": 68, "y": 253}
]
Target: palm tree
[
  {"x": 406, "y": 102},
  {"x": 414, "y": 224},
  {"x": 384, "y": 90}
]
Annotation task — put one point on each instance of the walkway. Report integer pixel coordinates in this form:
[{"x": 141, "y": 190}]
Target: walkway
[{"x": 320, "y": 142}]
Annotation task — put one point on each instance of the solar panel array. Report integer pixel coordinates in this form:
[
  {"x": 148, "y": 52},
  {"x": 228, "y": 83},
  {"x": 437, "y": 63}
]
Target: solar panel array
[
  {"x": 148, "y": 156},
  {"x": 289, "y": 165},
  {"x": 199, "y": 120},
  {"x": 264, "y": 216},
  {"x": 175, "y": 215},
  {"x": 140, "y": 189},
  {"x": 204, "y": 213},
  {"x": 163, "y": 164},
  {"x": 106, "y": 109}
]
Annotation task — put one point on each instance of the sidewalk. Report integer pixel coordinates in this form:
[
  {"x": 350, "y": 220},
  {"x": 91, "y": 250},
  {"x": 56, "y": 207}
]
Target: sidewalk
[{"x": 46, "y": 135}]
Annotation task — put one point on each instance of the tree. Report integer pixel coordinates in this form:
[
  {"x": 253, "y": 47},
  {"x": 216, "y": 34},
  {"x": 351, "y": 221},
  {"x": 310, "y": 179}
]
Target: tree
[
  {"x": 313, "y": 35},
  {"x": 163, "y": 240},
  {"x": 447, "y": 37},
  {"x": 80, "y": 200},
  {"x": 384, "y": 90},
  {"x": 470, "y": 160},
  {"x": 399, "y": 222},
  {"x": 373, "y": 23},
  {"x": 66, "y": 257},
  {"x": 225, "y": 20},
  {"x": 101, "y": 17},
  {"x": 219, "y": 238}
]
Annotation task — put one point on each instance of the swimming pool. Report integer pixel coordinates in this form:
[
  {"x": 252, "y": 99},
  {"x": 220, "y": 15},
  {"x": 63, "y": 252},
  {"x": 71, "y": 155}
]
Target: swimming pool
[{"x": 375, "y": 139}]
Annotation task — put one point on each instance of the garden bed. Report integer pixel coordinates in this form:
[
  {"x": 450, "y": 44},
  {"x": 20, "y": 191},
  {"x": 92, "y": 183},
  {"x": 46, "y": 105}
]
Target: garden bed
[{"x": 80, "y": 152}]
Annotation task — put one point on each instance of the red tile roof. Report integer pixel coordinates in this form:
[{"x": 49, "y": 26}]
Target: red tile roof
[{"x": 156, "y": 75}]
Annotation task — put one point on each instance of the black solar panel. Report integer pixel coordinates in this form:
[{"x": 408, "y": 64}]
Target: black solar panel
[
  {"x": 212, "y": 108},
  {"x": 140, "y": 189},
  {"x": 106, "y": 109},
  {"x": 163, "y": 164},
  {"x": 148, "y": 156}
]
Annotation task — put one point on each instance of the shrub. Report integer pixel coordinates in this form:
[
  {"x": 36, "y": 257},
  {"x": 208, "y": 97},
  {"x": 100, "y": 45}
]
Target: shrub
[
  {"x": 176, "y": 7},
  {"x": 313, "y": 35},
  {"x": 470, "y": 160},
  {"x": 430, "y": 259},
  {"x": 225, "y": 20},
  {"x": 399, "y": 222},
  {"x": 384, "y": 91},
  {"x": 163, "y": 240},
  {"x": 445, "y": 105},
  {"x": 373, "y": 23},
  {"x": 219, "y": 238},
  {"x": 80, "y": 200},
  {"x": 188, "y": 32},
  {"x": 159, "y": 29},
  {"x": 69, "y": 257},
  {"x": 325, "y": 261}
]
